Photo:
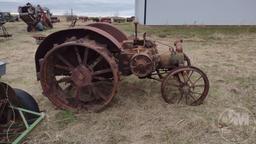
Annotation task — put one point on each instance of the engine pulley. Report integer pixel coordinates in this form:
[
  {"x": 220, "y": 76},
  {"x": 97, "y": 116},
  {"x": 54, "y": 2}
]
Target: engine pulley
[{"x": 141, "y": 65}]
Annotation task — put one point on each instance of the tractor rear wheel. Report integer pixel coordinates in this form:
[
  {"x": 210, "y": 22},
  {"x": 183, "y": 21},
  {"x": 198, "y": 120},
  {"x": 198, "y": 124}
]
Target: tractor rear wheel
[{"x": 79, "y": 75}]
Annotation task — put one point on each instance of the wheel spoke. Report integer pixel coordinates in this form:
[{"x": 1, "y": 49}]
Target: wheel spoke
[
  {"x": 189, "y": 76},
  {"x": 181, "y": 97},
  {"x": 197, "y": 80},
  {"x": 101, "y": 78},
  {"x": 97, "y": 92},
  {"x": 78, "y": 56},
  {"x": 174, "y": 82},
  {"x": 136, "y": 59},
  {"x": 77, "y": 93},
  {"x": 65, "y": 61},
  {"x": 186, "y": 99},
  {"x": 192, "y": 96},
  {"x": 102, "y": 71},
  {"x": 182, "y": 74},
  {"x": 201, "y": 85},
  {"x": 62, "y": 67},
  {"x": 96, "y": 61},
  {"x": 85, "y": 56}
]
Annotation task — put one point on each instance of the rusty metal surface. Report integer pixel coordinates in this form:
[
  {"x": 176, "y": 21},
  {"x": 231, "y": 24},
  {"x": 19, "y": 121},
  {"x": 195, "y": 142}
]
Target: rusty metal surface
[{"x": 112, "y": 30}]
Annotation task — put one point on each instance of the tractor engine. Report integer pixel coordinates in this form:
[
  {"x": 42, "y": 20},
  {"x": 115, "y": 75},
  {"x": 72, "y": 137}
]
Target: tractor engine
[
  {"x": 140, "y": 57},
  {"x": 174, "y": 58}
]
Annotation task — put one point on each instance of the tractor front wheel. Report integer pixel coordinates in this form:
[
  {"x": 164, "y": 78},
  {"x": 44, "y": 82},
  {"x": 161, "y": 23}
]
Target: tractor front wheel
[{"x": 185, "y": 85}]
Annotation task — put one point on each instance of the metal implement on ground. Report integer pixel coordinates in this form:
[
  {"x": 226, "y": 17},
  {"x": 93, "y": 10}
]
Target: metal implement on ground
[
  {"x": 3, "y": 31},
  {"x": 8, "y": 17},
  {"x": 80, "y": 68},
  {"x": 19, "y": 114},
  {"x": 37, "y": 18}
]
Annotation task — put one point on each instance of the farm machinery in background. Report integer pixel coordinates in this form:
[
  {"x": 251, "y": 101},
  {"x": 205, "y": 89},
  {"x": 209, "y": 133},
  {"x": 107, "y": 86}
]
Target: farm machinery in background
[
  {"x": 3, "y": 31},
  {"x": 37, "y": 18},
  {"x": 55, "y": 19},
  {"x": 80, "y": 68},
  {"x": 74, "y": 19},
  {"x": 8, "y": 17},
  {"x": 93, "y": 19}
]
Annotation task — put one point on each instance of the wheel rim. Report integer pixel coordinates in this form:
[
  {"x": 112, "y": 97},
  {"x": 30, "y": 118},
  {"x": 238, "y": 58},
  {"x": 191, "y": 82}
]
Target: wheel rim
[
  {"x": 79, "y": 76},
  {"x": 186, "y": 85}
]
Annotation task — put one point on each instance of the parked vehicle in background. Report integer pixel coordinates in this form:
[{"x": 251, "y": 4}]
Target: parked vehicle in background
[
  {"x": 119, "y": 19},
  {"x": 130, "y": 19},
  {"x": 106, "y": 19},
  {"x": 54, "y": 19},
  {"x": 8, "y": 17},
  {"x": 94, "y": 19},
  {"x": 83, "y": 18},
  {"x": 2, "y": 21},
  {"x": 36, "y": 17}
]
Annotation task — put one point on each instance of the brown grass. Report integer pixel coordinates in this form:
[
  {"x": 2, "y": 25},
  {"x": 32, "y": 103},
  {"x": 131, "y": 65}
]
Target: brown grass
[{"x": 138, "y": 114}]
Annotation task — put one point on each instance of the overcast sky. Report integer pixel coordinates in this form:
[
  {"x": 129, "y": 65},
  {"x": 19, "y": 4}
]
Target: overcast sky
[{"x": 80, "y": 7}]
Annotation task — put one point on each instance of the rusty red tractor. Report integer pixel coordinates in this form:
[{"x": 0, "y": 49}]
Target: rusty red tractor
[
  {"x": 37, "y": 18},
  {"x": 79, "y": 68}
]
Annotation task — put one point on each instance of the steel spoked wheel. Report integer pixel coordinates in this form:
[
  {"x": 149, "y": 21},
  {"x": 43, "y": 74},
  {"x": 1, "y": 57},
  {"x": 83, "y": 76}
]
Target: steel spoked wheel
[
  {"x": 79, "y": 76},
  {"x": 186, "y": 85}
]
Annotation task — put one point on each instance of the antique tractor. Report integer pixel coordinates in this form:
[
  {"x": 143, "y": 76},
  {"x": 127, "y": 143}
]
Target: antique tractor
[
  {"x": 37, "y": 18},
  {"x": 79, "y": 68}
]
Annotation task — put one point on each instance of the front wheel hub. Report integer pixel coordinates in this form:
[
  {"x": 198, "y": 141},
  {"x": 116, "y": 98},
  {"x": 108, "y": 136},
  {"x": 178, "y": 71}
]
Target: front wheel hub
[{"x": 186, "y": 89}]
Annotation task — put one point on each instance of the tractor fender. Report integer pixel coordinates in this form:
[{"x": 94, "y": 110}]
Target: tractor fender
[{"x": 99, "y": 35}]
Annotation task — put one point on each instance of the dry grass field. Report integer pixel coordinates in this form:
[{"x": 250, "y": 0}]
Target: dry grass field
[{"x": 138, "y": 114}]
